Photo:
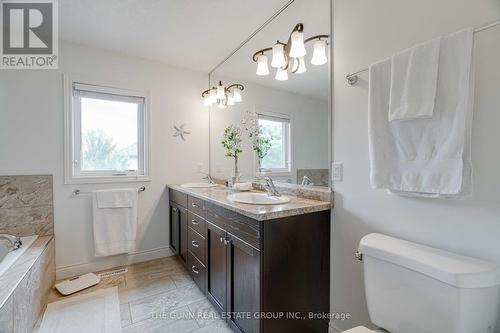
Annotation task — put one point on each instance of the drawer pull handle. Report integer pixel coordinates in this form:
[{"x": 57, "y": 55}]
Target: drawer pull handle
[
  {"x": 194, "y": 205},
  {"x": 222, "y": 239},
  {"x": 195, "y": 270},
  {"x": 195, "y": 222},
  {"x": 195, "y": 243}
]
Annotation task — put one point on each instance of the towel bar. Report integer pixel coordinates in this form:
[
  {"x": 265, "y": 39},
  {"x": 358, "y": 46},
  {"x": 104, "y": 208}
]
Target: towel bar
[
  {"x": 352, "y": 78},
  {"x": 78, "y": 192}
]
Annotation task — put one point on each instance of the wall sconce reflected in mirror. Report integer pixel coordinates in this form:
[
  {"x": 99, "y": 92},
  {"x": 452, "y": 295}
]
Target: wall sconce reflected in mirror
[
  {"x": 222, "y": 96},
  {"x": 294, "y": 50}
]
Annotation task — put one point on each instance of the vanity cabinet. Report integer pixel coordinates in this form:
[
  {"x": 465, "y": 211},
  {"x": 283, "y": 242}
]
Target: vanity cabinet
[
  {"x": 216, "y": 266},
  {"x": 178, "y": 224},
  {"x": 263, "y": 276}
]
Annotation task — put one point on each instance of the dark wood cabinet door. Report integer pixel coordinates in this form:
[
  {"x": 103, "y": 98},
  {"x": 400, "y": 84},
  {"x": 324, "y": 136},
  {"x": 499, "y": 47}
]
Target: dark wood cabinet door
[
  {"x": 216, "y": 266},
  {"x": 243, "y": 289},
  {"x": 183, "y": 234},
  {"x": 174, "y": 228}
]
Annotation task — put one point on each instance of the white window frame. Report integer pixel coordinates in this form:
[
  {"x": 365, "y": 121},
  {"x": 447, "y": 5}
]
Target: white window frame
[
  {"x": 72, "y": 135},
  {"x": 288, "y": 143}
]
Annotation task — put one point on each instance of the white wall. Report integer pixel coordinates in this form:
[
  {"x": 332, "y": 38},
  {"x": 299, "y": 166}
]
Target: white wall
[
  {"x": 31, "y": 142},
  {"x": 309, "y": 128},
  {"x": 366, "y": 31}
]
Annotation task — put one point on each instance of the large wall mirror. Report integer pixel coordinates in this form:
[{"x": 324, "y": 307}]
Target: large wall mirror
[{"x": 283, "y": 118}]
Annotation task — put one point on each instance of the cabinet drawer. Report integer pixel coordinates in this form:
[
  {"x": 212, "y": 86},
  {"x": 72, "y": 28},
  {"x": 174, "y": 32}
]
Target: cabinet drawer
[
  {"x": 178, "y": 197},
  {"x": 197, "y": 223},
  {"x": 196, "y": 244},
  {"x": 197, "y": 271},
  {"x": 196, "y": 206},
  {"x": 243, "y": 227}
]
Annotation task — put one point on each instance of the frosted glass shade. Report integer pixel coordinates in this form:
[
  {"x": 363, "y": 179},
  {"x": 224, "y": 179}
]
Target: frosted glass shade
[
  {"x": 213, "y": 96},
  {"x": 221, "y": 104},
  {"x": 281, "y": 74},
  {"x": 299, "y": 65},
  {"x": 262, "y": 68},
  {"x": 237, "y": 95},
  {"x": 221, "y": 92},
  {"x": 206, "y": 100},
  {"x": 297, "y": 49},
  {"x": 278, "y": 56},
  {"x": 230, "y": 99},
  {"x": 319, "y": 53}
]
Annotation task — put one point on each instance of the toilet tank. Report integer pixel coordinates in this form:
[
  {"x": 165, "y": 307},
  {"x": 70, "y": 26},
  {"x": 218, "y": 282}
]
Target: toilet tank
[{"x": 412, "y": 288}]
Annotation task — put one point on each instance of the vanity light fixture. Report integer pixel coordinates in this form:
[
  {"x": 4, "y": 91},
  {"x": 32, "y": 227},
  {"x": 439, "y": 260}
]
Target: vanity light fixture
[
  {"x": 294, "y": 50},
  {"x": 222, "y": 96}
]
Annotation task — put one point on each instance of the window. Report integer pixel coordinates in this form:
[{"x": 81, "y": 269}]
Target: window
[
  {"x": 106, "y": 134},
  {"x": 277, "y": 128}
]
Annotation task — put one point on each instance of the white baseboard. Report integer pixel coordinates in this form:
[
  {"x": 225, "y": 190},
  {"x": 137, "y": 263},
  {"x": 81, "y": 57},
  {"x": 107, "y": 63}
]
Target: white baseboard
[{"x": 63, "y": 272}]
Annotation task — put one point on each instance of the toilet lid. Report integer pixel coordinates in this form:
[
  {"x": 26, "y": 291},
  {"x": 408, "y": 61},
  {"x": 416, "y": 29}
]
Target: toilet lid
[{"x": 359, "y": 329}]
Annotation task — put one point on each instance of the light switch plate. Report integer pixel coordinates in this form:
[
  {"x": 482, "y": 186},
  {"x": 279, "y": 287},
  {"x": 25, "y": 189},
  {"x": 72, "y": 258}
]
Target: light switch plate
[{"x": 337, "y": 172}]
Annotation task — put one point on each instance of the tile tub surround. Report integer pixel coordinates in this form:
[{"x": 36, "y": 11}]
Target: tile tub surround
[
  {"x": 26, "y": 287},
  {"x": 160, "y": 296},
  {"x": 218, "y": 195},
  {"x": 26, "y": 205}
]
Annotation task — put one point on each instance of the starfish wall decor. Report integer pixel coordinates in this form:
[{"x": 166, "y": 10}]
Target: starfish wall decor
[{"x": 181, "y": 132}]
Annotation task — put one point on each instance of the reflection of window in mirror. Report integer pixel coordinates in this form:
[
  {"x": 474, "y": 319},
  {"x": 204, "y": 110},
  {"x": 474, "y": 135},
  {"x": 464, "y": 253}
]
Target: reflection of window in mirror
[{"x": 277, "y": 128}]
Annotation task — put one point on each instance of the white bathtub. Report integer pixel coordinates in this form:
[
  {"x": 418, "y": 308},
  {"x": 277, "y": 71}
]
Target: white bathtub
[{"x": 10, "y": 257}]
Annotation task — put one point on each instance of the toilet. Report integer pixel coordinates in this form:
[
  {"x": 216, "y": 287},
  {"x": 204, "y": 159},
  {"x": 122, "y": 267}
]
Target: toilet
[{"x": 412, "y": 288}]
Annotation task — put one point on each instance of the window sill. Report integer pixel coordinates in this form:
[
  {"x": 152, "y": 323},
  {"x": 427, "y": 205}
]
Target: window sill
[
  {"x": 107, "y": 180},
  {"x": 278, "y": 173}
]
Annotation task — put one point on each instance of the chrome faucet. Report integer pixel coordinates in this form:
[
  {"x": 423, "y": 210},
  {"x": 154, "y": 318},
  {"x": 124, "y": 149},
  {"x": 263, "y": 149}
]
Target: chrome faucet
[
  {"x": 306, "y": 181},
  {"x": 208, "y": 178},
  {"x": 270, "y": 188},
  {"x": 14, "y": 241}
]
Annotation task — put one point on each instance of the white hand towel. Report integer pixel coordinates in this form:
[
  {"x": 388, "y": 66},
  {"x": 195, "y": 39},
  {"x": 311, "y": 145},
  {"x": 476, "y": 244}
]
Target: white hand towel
[
  {"x": 115, "y": 221},
  {"x": 430, "y": 156},
  {"x": 414, "y": 81}
]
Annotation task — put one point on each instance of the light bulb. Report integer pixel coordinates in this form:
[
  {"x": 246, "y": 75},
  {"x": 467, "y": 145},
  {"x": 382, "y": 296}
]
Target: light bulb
[
  {"x": 213, "y": 95},
  {"x": 299, "y": 65},
  {"x": 230, "y": 98},
  {"x": 237, "y": 95},
  {"x": 221, "y": 104},
  {"x": 319, "y": 53},
  {"x": 262, "y": 68},
  {"x": 206, "y": 100},
  {"x": 221, "y": 92},
  {"x": 278, "y": 56},
  {"x": 297, "y": 49},
  {"x": 281, "y": 74}
]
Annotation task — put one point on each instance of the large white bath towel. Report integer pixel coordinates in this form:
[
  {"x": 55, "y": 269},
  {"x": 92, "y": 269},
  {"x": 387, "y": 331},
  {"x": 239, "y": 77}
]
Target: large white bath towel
[
  {"x": 115, "y": 221},
  {"x": 430, "y": 156}
]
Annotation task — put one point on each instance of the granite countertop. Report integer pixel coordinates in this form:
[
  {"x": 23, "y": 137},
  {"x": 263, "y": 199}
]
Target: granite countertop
[{"x": 218, "y": 195}]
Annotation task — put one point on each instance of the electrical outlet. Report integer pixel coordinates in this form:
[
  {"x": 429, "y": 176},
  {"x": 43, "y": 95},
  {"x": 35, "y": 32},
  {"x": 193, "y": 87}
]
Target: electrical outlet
[{"x": 337, "y": 172}]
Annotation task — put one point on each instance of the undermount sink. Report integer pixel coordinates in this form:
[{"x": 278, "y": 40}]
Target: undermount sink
[
  {"x": 257, "y": 199},
  {"x": 198, "y": 185}
]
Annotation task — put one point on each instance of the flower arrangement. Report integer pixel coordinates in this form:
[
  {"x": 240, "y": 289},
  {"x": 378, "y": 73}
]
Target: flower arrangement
[
  {"x": 261, "y": 144},
  {"x": 232, "y": 140}
]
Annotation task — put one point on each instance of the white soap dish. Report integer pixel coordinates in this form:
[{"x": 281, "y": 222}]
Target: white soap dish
[{"x": 78, "y": 283}]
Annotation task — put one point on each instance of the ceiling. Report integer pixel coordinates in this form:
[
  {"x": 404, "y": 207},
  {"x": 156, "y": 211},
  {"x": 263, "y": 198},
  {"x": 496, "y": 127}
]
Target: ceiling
[
  {"x": 195, "y": 34},
  {"x": 315, "y": 15}
]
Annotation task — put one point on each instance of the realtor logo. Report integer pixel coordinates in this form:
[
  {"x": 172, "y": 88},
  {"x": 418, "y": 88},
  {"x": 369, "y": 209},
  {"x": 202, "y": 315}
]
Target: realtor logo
[{"x": 29, "y": 36}]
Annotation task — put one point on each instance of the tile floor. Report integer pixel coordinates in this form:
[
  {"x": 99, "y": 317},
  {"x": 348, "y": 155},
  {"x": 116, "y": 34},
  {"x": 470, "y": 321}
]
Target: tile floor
[{"x": 160, "y": 296}]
